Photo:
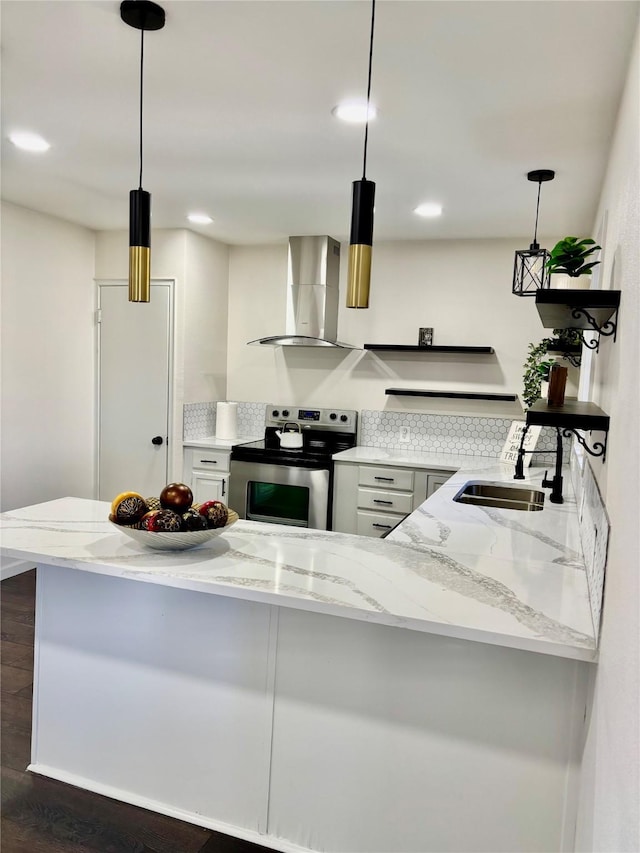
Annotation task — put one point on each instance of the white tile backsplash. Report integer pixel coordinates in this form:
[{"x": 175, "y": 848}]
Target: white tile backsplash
[
  {"x": 468, "y": 436},
  {"x": 594, "y": 535},
  {"x": 200, "y": 420}
]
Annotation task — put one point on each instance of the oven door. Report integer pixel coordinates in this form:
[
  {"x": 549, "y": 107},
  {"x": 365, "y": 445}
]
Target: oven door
[{"x": 280, "y": 494}]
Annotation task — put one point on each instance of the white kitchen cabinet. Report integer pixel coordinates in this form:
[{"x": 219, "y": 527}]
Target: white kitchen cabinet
[
  {"x": 434, "y": 481},
  {"x": 371, "y": 500},
  {"x": 206, "y": 472}
]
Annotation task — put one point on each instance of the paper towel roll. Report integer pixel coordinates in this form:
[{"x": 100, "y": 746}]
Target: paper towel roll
[{"x": 227, "y": 420}]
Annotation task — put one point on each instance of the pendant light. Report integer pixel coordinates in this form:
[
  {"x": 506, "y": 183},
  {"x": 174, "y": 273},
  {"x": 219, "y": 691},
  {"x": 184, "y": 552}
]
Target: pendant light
[
  {"x": 530, "y": 272},
  {"x": 363, "y": 198},
  {"x": 142, "y": 15}
]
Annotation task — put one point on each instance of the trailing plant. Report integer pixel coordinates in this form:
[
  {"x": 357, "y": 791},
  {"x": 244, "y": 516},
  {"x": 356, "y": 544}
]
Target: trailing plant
[
  {"x": 536, "y": 367},
  {"x": 569, "y": 256}
]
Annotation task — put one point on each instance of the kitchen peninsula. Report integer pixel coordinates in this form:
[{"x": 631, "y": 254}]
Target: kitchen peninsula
[{"x": 311, "y": 690}]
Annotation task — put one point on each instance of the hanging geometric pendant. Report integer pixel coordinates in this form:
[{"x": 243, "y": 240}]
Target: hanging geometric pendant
[{"x": 530, "y": 272}]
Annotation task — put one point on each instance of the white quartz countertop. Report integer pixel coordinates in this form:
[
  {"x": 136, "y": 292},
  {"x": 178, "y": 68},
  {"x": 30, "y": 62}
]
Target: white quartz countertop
[
  {"x": 514, "y": 579},
  {"x": 216, "y": 443},
  {"x": 405, "y": 458}
]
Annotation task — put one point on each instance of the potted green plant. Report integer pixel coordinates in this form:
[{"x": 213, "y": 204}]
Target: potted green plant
[
  {"x": 570, "y": 257},
  {"x": 537, "y": 366}
]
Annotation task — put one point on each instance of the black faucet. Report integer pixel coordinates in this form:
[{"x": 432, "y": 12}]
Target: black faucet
[{"x": 555, "y": 483}]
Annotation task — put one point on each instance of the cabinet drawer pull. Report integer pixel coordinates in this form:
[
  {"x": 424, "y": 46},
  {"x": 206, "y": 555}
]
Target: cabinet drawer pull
[
  {"x": 210, "y": 461},
  {"x": 387, "y": 503},
  {"x": 386, "y": 479},
  {"x": 223, "y": 482},
  {"x": 383, "y": 526}
]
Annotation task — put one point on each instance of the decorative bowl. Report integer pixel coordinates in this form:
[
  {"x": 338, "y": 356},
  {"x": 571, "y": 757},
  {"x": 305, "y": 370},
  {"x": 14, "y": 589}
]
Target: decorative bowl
[{"x": 175, "y": 541}]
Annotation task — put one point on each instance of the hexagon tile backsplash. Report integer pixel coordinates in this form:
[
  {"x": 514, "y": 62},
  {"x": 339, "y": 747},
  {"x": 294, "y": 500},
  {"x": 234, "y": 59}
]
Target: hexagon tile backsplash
[
  {"x": 445, "y": 434},
  {"x": 440, "y": 433},
  {"x": 199, "y": 420}
]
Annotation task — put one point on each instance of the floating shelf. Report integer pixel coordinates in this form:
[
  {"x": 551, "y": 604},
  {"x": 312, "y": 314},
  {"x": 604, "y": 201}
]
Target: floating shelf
[
  {"x": 565, "y": 349},
  {"x": 452, "y": 395},
  {"x": 411, "y": 348},
  {"x": 571, "y": 352},
  {"x": 590, "y": 310},
  {"x": 573, "y": 415}
]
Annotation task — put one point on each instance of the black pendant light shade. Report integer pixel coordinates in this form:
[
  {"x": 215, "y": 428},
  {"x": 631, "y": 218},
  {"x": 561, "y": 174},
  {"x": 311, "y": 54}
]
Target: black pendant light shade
[
  {"x": 142, "y": 15},
  {"x": 139, "y": 246},
  {"x": 530, "y": 272},
  {"x": 361, "y": 240}
]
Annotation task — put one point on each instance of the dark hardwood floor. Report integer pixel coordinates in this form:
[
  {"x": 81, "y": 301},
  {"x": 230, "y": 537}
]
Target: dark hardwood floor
[{"x": 41, "y": 815}]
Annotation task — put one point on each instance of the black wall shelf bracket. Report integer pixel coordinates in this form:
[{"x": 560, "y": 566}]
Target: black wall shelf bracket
[
  {"x": 598, "y": 448},
  {"x": 610, "y": 327},
  {"x": 575, "y": 360}
]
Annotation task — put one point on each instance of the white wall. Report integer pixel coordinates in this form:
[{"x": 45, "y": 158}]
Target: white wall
[
  {"x": 199, "y": 267},
  {"x": 205, "y": 312},
  {"x": 462, "y": 288},
  {"x": 47, "y": 358},
  {"x": 609, "y": 817}
]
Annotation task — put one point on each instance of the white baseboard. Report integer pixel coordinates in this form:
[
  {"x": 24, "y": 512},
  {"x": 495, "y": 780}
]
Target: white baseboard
[{"x": 10, "y": 567}]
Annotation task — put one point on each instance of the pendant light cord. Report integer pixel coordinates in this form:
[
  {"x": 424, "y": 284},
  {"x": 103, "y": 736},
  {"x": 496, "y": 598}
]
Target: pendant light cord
[
  {"x": 141, "y": 77},
  {"x": 535, "y": 231},
  {"x": 366, "y": 127}
]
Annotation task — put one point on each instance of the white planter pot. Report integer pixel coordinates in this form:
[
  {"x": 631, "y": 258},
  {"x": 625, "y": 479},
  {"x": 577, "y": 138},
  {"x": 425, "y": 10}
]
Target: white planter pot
[{"x": 560, "y": 281}]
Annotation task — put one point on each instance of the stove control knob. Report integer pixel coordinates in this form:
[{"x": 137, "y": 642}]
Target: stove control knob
[
  {"x": 333, "y": 416},
  {"x": 275, "y": 413},
  {"x": 344, "y": 418},
  {"x": 285, "y": 413}
]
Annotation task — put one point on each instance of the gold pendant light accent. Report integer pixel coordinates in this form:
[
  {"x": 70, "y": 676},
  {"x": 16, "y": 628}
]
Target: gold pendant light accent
[
  {"x": 361, "y": 240},
  {"x": 359, "y": 276},
  {"x": 143, "y": 15},
  {"x": 139, "y": 274}
]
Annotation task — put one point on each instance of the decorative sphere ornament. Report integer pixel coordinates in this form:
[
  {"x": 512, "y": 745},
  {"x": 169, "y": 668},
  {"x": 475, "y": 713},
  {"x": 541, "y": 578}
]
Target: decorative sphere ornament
[{"x": 177, "y": 497}]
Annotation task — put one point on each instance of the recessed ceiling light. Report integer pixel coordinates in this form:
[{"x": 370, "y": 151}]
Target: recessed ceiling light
[
  {"x": 355, "y": 112},
  {"x": 428, "y": 209},
  {"x": 29, "y": 141},
  {"x": 199, "y": 219}
]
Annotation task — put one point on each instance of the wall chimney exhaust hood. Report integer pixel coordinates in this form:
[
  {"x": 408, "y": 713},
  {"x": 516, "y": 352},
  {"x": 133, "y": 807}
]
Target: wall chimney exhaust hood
[{"x": 312, "y": 295}]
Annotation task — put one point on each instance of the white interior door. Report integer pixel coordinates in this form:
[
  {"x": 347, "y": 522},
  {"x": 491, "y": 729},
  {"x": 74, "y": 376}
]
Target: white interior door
[{"x": 134, "y": 369}]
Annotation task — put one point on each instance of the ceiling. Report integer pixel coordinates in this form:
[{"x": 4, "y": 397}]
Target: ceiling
[{"x": 237, "y": 117}]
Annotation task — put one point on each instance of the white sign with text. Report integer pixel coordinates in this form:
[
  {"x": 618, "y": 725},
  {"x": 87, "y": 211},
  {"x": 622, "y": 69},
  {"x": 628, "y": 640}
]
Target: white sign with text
[{"x": 512, "y": 444}]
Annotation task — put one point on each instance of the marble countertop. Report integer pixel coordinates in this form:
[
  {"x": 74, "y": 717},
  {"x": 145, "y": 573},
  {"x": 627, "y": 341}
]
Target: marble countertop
[
  {"x": 408, "y": 458},
  {"x": 216, "y": 443},
  {"x": 514, "y": 579}
]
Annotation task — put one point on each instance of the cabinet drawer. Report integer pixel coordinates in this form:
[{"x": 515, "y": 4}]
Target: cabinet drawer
[
  {"x": 376, "y": 523},
  {"x": 385, "y": 501},
  {"x": 386, "y": 478},
  {"x": 210, "y": 460}
]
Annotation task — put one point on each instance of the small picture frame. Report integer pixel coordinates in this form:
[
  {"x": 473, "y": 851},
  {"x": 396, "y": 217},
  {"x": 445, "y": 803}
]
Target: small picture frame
[{"x": 425, "y": 337}]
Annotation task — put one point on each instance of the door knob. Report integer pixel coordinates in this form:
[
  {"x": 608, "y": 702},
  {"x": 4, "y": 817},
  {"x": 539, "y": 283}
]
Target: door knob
[{"x": 157, "y": 439}]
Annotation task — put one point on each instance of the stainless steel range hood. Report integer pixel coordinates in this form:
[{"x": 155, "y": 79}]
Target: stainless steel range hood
[{"x": 312, "y": 295}]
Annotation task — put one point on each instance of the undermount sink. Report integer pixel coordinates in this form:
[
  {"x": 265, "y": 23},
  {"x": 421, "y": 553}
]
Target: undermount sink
[{"x": 480, "y": 493}]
